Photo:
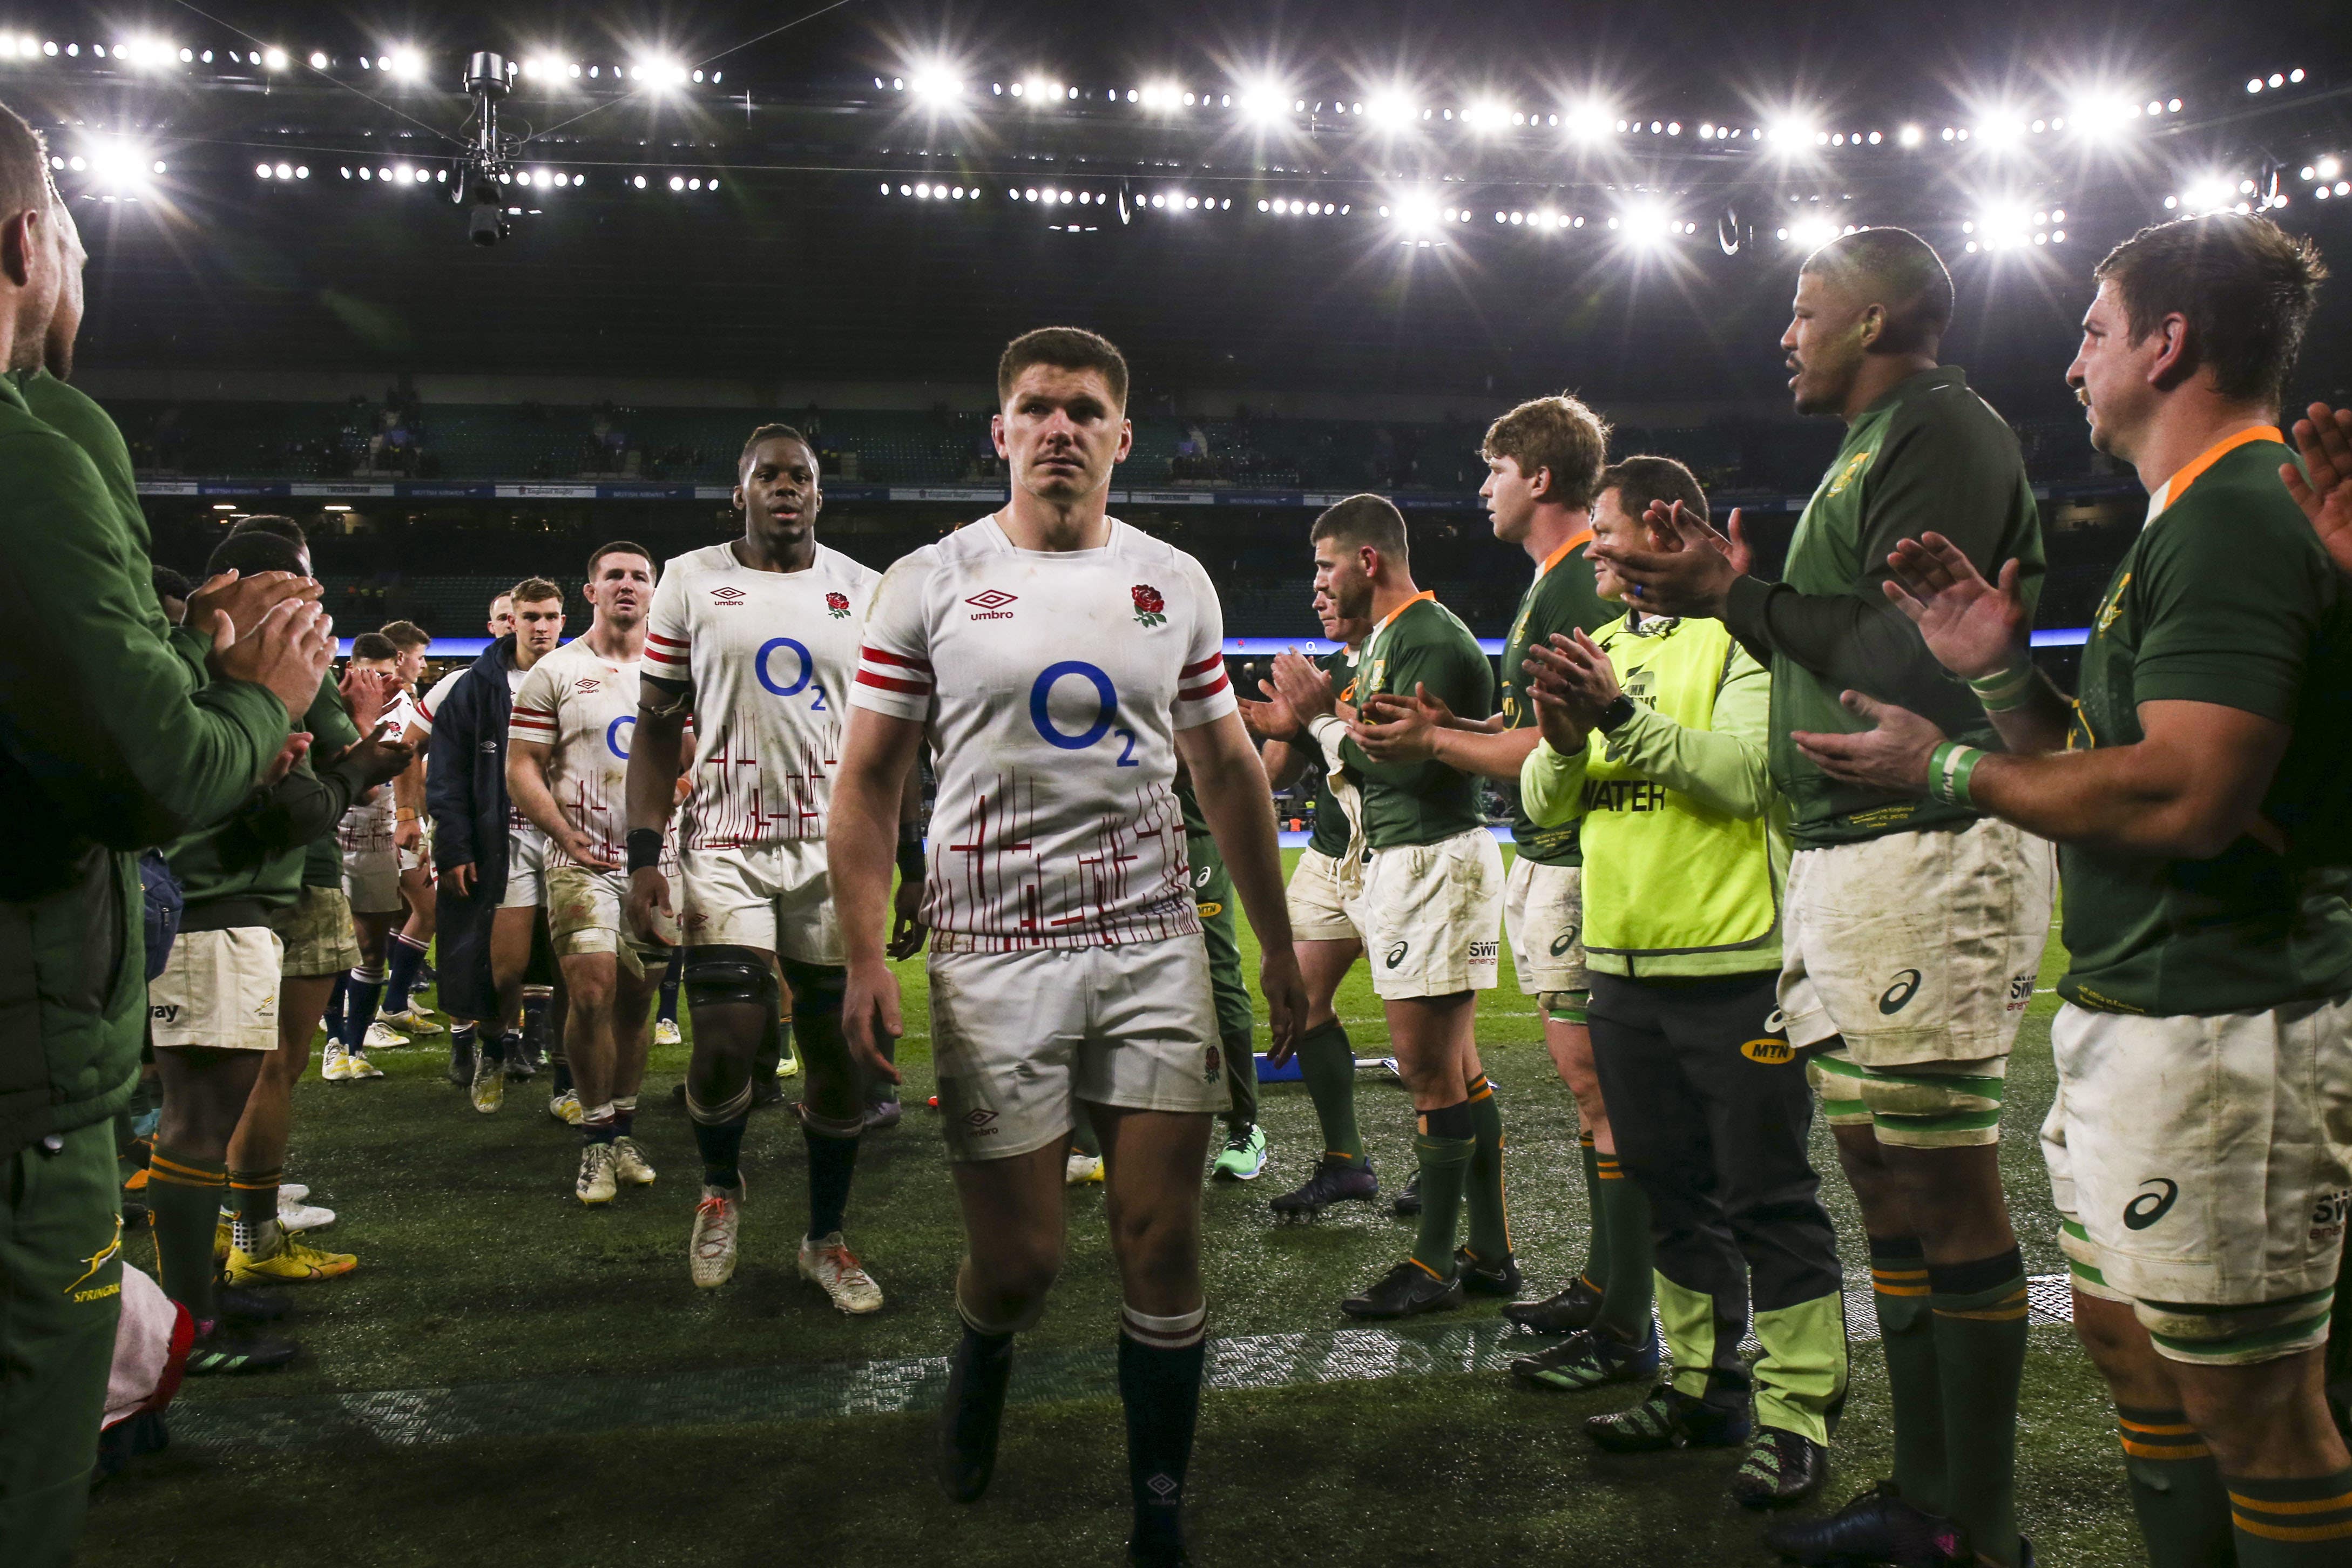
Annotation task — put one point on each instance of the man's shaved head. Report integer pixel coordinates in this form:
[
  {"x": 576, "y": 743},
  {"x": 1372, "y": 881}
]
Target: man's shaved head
[
  {"x": 29, "y": 260},
  {"x": 1896, "y": 270}
]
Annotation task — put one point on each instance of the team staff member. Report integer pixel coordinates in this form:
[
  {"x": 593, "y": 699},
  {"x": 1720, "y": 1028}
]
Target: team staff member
[
  {"x": 2200, "y": 1144},
  {"x": 1544, "y": 481},
  {"x": 1914, "y": 927},
  {"x": 106, "y": 746},
  {"x": 1244, "y": 1157},
  {"x": 1433, "y": 903},
  {"x": 1654, "y": 737}
]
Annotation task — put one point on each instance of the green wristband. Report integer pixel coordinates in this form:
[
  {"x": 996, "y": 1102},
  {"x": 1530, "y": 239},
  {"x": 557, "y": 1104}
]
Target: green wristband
[
  {"x": 2011, "y": 688},
  {"x": 1949, "y": 767}
]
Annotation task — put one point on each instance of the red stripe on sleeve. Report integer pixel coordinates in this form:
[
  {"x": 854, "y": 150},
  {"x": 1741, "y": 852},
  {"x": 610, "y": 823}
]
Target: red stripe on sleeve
[
  {"x": 913, "y": 688},
  {"x": 1206, "y": 665},
  {"x": 665, "y": 642},
  {"x": 1197, "y": 693},
  {"x": 881, "y": 656}
]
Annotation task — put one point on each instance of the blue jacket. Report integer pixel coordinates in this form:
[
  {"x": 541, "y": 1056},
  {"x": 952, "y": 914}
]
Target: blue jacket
[{"x": 466, "y": 792}]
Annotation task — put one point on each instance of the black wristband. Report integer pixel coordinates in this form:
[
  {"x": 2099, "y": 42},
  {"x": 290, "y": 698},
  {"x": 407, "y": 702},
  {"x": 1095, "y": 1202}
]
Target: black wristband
[
  {"x": 644, "y": 848},
  {"x": 1620, "y": 709},
  {"x": 912, "y": 862}
]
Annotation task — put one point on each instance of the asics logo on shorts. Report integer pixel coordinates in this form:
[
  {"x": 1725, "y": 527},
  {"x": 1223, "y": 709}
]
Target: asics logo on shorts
[
  {"x": 1897, "y": 996},
  {"x": 2149, "y": 1207},
  {"x": 1775, "y": 1022},
  {"x": 1563, "y": 942},
  {"x": 1396, "y": 954}
]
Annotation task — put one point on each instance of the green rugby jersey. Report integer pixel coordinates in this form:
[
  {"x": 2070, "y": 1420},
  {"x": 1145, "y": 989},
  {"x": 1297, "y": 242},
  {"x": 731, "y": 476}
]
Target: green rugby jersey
[
  {"x": 1330, "y": 834},
  {"x": 2225, "y": 597},
  {"x": 1930, "y": 454},
  {"x": 1561, "y": 599},
  {"x": 1421, "y": 643}
]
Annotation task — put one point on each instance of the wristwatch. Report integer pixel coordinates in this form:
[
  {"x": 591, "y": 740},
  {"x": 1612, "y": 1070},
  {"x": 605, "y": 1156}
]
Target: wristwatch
[{"x": 1620, "y": 709}]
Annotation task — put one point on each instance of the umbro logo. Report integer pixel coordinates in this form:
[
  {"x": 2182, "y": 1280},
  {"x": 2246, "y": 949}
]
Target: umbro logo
[
  {"x": 979, "y": 1119},
  {"x": 991, "y": 603},
  {"x": 591, "y": 684},
  {"x": 728, "y": 595}
]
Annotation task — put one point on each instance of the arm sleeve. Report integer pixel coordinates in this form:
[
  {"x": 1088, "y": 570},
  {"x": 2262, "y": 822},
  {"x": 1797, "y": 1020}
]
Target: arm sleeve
[
  {"x": 1726, "y": 768},
  {"x": 534, "y": 715},
  {"x": 669, "y": 648},
  {"x": 2225, "y": 620},
  {"x": 302, "y": 807},
  {"x": 893, "y": 655},
  {"x": 1551, "y": 786},
  {"x": 100, "y": 712},
  {"x": 1203, "y": 692},
  {"x": 449, "y": 777},
  {"x": 1928, "y": 476}
]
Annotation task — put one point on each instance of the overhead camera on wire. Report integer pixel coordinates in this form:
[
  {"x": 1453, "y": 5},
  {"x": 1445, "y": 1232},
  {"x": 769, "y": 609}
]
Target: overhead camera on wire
[{"x": 487, "y": 162}]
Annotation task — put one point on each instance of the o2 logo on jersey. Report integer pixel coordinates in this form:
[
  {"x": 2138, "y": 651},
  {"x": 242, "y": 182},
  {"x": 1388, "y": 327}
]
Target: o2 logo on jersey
[
  {"x": 804, "y": 681},
  {"x": 617, "y": 738},
  {"x": 1041, "y": 710}
]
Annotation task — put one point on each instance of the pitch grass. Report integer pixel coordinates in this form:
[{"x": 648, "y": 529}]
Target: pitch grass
[{"x": 477, "y": 1263}]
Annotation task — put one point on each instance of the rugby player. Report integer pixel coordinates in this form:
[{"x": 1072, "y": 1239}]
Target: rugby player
[
  {"x": 404, "y": 949},
  {"x": 1544, "y": 481},
  {"x": 1914, "y": 927},
  {"x": 1432, "y": 903},
  {"x": 372, "y": 884},
  {"x": 1325, "y": 926},
  {"x": 755, "y": 641},
  {"x": 1066, "y": 962},
  {"x": 567, "y": 771},
  {"x": 2200, "y": 1143}
]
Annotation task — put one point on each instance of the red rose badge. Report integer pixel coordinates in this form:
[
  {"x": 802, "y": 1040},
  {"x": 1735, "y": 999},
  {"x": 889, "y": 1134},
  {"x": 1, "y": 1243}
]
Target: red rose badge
[
  {"x": 838, "y": 603},
  {"x": 1150, "y": 609}
]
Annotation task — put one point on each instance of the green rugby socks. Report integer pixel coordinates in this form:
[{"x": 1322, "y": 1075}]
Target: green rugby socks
[
  {"x": 1627, "y": 1266},
  {"x": 1446, "y": 1144},
  {"x": 2176, "y": 1489},
  {"x": 1907, "y": 1335},
  {"x": 1326, "y": 1061},
  {"x": 1980, "y": 1326},
  {"x": 1490, "y": 1218}
]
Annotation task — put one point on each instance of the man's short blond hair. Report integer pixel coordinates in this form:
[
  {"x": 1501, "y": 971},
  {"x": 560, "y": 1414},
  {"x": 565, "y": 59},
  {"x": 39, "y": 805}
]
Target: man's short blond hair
[{"x": 1561, "y": 434}]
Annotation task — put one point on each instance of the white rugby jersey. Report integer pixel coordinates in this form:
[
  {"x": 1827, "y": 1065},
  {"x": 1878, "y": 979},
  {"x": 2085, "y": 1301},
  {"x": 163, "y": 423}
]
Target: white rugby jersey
[
  {"x": 1052, "y": 685},
  {"x": 366, "y": 828},
  {"x": 517, "y": 822},
  {"x": 583, "y": 707},
  {"x": 769, "y": 654}
]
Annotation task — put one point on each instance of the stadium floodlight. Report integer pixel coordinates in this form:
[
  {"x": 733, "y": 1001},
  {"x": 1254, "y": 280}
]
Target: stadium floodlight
[
  {"x": 2329, "y": 166},
  {"x": 1162, "y": 95},
  {"x": 273, "y": 59},
  {"x": 1416, "y": 211},
  {"x": 318, "y": 59},
  {"x": 121, "y": 166},
  {"x": 1485, "y": 116},
  {"x": 1646, "y": 225},
  {"x": 662, "y": 72},
  {"x": 1391, "y": 109},
  {"x": 2102, "y": 117},
  {"x": 1791, "y": 134},
  {"x": 1999, "y": 130},
  {"x": 1812, "y": 232},
  {"x": 405, "y": 64},
  {"x": 1590, "y": 122},
  {"x": 1910, "y": 136},
  {"x": 1263, "y": 102}
]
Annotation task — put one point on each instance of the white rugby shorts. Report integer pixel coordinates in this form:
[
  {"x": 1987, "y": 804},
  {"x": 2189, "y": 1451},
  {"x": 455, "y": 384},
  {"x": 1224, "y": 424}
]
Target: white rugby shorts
[
  {"x": 525, "y": 869},
  {"x": 587, "y": 912},
  {"x": 1543, "y": 910},
  {"x": 1434, "y": 916},
  {"x": 2202, "y": 1160},
  {"x": 777, "y": 898},
  {"x": 218, "y": 989},
  {"x": 1019, "y": 1038},
  {"x": 1916, "y": 947},
  {"x": 1325, "y": 895}
]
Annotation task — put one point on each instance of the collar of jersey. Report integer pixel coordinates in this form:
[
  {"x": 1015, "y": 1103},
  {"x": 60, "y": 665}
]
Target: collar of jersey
[
  {"x": 1557, "y": 557},
  {"x": 1428, "y": 594},
  {"x": 1934, "y": 380},
  {"x": 2173, "y": 489},
  {"x": 1111, "y": 538}
]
